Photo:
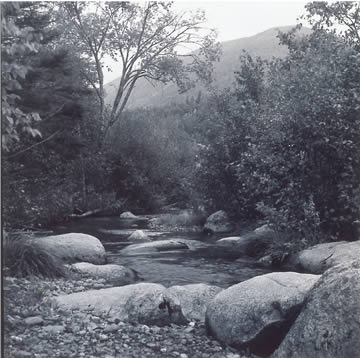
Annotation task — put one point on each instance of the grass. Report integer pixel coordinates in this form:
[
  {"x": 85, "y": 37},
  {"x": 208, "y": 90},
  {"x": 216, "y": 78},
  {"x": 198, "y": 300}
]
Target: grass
[{"x": 22, "y": 257}]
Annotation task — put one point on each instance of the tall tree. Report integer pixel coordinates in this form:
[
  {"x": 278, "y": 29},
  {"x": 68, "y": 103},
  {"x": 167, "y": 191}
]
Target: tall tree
[{"x": 147, "y": 41}]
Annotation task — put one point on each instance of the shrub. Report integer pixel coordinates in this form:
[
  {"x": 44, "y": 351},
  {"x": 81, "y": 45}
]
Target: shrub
[{"x": 22, "y": 257}]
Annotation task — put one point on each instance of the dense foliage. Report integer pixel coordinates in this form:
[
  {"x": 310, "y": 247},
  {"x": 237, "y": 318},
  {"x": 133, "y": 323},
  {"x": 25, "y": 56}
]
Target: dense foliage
[{"x": 286, "y": 140}]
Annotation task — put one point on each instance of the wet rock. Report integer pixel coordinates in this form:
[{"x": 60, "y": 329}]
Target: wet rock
[
  {"x": 74, "y": 247},
  {"x": 218, "y": 223},
  {"x": 256, "y": 314},
  {"x": 112, "y": 273},
  {"x": 193, "y": 299},
  {"x": 318, "y": 258},
  {"x": 34, "y": 321},
  {"x": 154, "y": 246},
  {"x": 138, "y": 236},
  {"x": 329, "y": 324},
  {"x": 253, "y": 243}
]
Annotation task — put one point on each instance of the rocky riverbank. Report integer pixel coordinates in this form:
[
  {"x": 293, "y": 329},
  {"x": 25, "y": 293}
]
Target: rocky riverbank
[{"x": 33, "y": 328}]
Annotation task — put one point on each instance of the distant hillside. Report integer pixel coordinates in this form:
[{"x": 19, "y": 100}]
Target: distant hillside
[{"x": 264, "y": 44}]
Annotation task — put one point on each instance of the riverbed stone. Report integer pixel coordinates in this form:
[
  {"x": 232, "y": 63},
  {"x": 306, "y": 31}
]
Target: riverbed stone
[
  {"x": 257, "y": 313},
  {"x": 73, "y": 247},
  {"x": 34, "y": 321},
  {"x": 253, "y": 243},
  {"x": 319, "y": 258},
  {"x": 128, "y": 215},
  {"x": 138, "y": 303},
  {"x": 193, "y": 299},
  {"x": 329, "y": 324},
  {"x": 138, "y": 236},
  {"x": 154, "y": 246},
  {"x": 112, "y": 273},
  {"x": 218, "y": 222}
]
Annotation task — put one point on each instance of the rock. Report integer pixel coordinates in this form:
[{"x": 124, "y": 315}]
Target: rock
[
  {"x": 218, "y": 223},
  {"x": 115, "y": 274},
  {"x": 53, "y": 329},
  {"x": 128, "y": 215},
  {"x": 21, "y": 354},
  {"x": 329, "y": 324},
  {"x": 139, "y": 303},
  {"x": 318, "y": 258},
  {"x": 154, "y": 246},
  {"x": 138, "y": 236},
  {"x": 74, "y": 247},
  {"x": 266, "y": 261},
  {"x": 111, "y": 328},
  {"x": 34, "y": 321},
  {"x": 193, "y": 299},
  {"x": 253, "y": 243},
  {"x": 257, "y": 313}
]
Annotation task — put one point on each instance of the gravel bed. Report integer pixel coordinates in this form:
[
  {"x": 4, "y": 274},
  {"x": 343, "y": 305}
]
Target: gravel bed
[{"x": 32, "y": 328}]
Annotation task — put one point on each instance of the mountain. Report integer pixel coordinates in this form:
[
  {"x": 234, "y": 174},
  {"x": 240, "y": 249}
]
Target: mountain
[{"x": 265, "y": 44}]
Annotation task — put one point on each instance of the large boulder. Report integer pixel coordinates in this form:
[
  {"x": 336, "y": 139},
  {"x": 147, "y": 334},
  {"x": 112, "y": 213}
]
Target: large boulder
[
  {"x": 114, "y": 274},
  {"x": 138, "y": 236},
  {"x": 329, "y": 324},
  {"x": 318, "y": 258},
  {"x": 253, "y": 243},
  {"x": 257, "y": 313},
  {"x": 74, "y": 247},
  {"x": 154, "y": 246},
  {"x": 193, "y": 299},
  {"x": 218, "y": 223},
  {"x": 139, "y": 303},
  {"x": 128, "y": 215}
]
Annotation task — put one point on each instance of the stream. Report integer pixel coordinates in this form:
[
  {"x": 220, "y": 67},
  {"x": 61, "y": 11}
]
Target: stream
[{"x": 209, "y": 264}]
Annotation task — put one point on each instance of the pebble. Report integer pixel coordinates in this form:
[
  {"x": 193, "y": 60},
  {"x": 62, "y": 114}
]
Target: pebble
[
  {"x": 54, "y": 329},
  {"x": 33, "y": 321},
  {"x": 79, "y": 288},
  {"x": 183, "y": 355},
  {"x": 99, "y": 285},
  {"x": 22, "y": 354},
  {"x": 111, "y": 328}
]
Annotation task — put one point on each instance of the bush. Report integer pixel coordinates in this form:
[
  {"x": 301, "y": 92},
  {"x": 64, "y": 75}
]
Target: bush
[{"x": 22, "y": 257}]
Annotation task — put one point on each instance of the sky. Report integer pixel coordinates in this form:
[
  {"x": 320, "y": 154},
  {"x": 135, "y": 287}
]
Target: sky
[{"x": 236, "y": 19}]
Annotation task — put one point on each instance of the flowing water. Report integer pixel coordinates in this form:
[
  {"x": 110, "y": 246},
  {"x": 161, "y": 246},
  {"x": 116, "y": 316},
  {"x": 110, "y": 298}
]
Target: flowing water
[{"x": 209, "y": 264}]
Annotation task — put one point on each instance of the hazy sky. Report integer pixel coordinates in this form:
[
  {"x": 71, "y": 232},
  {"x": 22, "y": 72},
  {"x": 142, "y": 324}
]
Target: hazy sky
[{"x": 236, "y": 19}]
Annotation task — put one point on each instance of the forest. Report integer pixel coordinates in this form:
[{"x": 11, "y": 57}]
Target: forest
[{"x": 280, "y": 143}]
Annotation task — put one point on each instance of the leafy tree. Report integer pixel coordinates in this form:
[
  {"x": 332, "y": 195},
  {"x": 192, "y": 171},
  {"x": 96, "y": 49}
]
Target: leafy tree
[
  {"x": 145, "y": 41},
  {"x": 16, "y": 44},
  {"x": 340, "y": 17}
]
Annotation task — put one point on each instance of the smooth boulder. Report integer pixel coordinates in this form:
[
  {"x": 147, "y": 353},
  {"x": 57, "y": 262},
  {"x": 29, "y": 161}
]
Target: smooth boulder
[
  {"x": 193, "y": 299},
  {"x": 74, "y": 247},
  {"x": 319, "y": 258},
  {"x": 154, "y": 247},
  {"x": 114, "y": 274},
  {"x": 218, "y": 222},
  {"x": 138, "y": 236},
  {"x": 257, "y": 313},
  {"x": 128, "y": 215},
  {"x": 253, "y": 243},
  {"x": 139, "y": 303},
  {"x": 329, "y": 324}
]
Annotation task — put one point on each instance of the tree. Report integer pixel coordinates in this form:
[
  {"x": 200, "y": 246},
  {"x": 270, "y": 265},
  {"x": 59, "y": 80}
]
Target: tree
[
  {"x": 17, "y": 43},
  {"x": 146, "y": 41},
  {"x": 341, "y": 17}
]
